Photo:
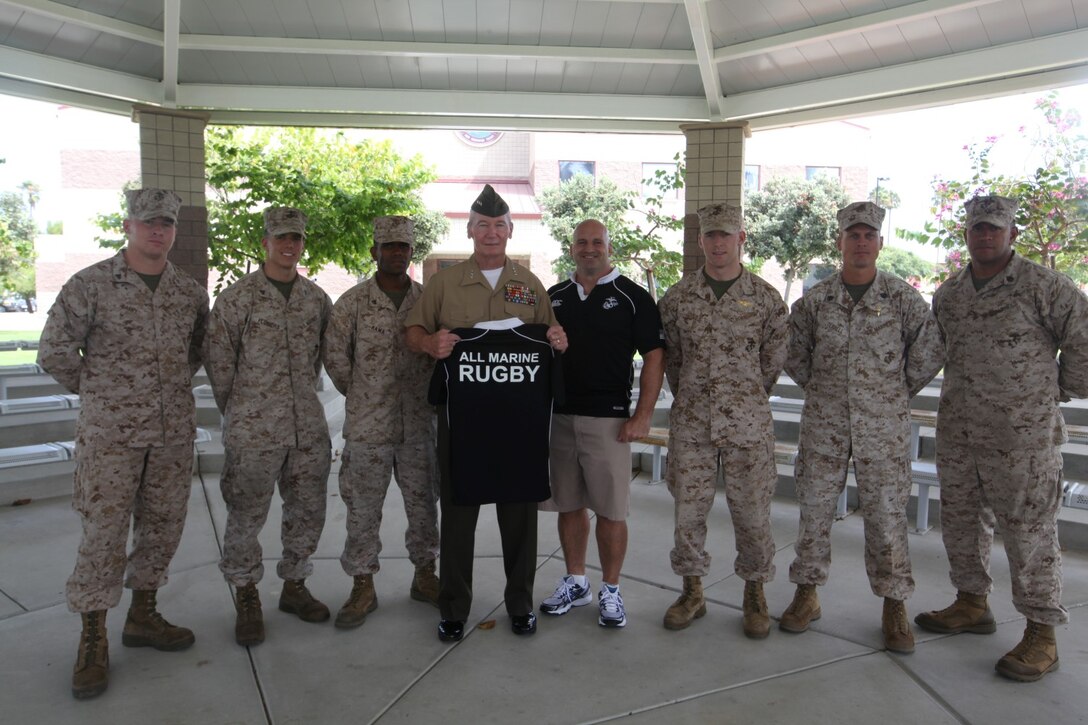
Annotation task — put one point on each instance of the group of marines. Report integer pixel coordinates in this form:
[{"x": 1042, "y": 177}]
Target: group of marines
[{"x": 128, "y": 334}]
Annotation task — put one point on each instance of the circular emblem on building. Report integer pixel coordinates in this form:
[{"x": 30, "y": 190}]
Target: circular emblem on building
[{"x": 479, "y": 138}]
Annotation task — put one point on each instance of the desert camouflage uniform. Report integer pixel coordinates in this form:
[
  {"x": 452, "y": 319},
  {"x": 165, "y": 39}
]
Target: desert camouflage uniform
[
  {"x": 388, "y": 425},
  {"x": 722, "y": 358},
  {"x": 130, "y": 355},
  {"x": 859, "y": 364},
  {"x": 999, "y": 432},
  {"x": 263, "y": 358}
]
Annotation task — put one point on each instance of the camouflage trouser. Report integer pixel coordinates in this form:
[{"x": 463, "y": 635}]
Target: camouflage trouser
[
  {"x": 1022, "y": 492},
  {"x": 364, "y": 479},
  {"x": 248, "y": 482},
  {"x": 883, "y": 491},
  {"x": 750, "y": 478},
  {"x": 150, "y": 487}
]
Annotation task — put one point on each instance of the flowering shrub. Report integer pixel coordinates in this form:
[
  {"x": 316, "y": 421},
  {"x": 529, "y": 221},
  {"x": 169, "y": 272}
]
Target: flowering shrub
[{"x": 1053, "y": 215}]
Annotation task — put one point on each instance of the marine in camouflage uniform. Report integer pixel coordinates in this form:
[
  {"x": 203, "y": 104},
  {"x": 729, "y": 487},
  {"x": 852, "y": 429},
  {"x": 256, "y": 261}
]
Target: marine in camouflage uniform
[
  {"x": 1016, "y": 338},
  {"x": 263, "y": 358},
  {"x": 125, "y": 335},
  {"x": 726, "y": 338},
  {"x": 388, "y": 425},
  {"x": 862, "y": 344}
]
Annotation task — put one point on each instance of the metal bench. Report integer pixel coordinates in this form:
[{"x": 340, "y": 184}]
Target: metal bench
[
  {"x": 784, "y": 453},
  {"x": 923, "y": 473}
]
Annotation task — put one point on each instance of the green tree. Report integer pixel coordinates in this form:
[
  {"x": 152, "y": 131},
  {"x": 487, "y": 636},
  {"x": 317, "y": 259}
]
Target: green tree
[
  {"x": 33, "y": 193},
  {"x": 1053, "y": 214},
  {"x": 341, "y": 185},
  {"x": 643, "y": 246},
  {"x": 17, "y": 233},
  {"x": 636, "y": 245},
  {"x": 25, "y": 284},
  {"x": 885, "y": 197},
  {"x": 793, "y": 221},
  {"x": 113, "y": 236},
  {"x": 903, "y": 263},
  {"x": 576, "y": 200},
  {"x": 430, "y": 227}
]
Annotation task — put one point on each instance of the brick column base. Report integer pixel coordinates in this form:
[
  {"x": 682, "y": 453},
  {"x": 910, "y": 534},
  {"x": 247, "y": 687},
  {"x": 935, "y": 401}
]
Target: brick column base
[
  {"x": 693, "y": 254},
  {"x": 190, "y": 251}
]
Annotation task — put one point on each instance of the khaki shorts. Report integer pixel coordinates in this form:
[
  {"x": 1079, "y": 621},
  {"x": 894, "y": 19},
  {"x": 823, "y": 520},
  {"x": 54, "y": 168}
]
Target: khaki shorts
[{"x": 589, "y": 467}]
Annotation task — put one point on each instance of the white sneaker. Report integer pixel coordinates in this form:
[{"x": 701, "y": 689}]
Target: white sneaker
[
  {"x": 611, "y": 606},
  {"x": 567, "y": 594}
]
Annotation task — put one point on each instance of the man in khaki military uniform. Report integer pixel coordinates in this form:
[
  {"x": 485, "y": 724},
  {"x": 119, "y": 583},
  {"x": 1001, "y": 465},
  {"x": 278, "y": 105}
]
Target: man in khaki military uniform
[
  {"x": 125, "y": 335},
  {"x": 862, "y": 344},
  {"x": 1016, "y": 344},
  {"x": 263, "y": 358},
  {"x": 388, "y": 425},
  {"x": 487, "y": 286},
  {"x": 725, "y": 342}
]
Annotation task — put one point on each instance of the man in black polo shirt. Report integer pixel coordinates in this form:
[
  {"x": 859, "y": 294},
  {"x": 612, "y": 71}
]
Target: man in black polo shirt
[{"x": 607, "y": 317}]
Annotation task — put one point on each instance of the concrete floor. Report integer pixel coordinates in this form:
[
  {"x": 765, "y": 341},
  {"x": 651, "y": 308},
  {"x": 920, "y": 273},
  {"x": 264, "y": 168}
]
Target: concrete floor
[{"x": 393, "y": 669}]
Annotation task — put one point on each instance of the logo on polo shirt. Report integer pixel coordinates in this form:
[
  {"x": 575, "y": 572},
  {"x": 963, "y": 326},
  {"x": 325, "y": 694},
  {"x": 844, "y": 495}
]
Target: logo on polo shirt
[
  {"x": 610, "y": 303},
  {"x": 557, "y": 302}
]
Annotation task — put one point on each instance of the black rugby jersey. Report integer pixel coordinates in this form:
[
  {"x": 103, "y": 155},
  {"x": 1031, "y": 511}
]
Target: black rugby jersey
[
  {"x": 604, "y": 330},
  {"x": 497, "y": 386}
]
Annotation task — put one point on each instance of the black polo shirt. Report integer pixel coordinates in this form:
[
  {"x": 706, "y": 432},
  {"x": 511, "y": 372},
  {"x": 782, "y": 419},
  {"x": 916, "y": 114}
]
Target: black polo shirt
[{"x": 604, "y": 330}]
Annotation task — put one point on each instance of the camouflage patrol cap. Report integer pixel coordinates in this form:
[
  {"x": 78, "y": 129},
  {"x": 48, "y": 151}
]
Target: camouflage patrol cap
[
  {"x": 861, "y": 212},
  {"x": 720, "y": 218},
  {"x": 284, "y": 220},
  {"x": 997, "y": 210},
  {"x": 146, "y": 204},
  {"x": 489, "y": 203},
  {"x": 393, "y": 229}
]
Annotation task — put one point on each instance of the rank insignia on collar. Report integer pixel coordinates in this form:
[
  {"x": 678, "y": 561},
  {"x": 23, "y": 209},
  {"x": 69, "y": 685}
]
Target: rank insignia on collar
[{"x": 519, "y": 294}]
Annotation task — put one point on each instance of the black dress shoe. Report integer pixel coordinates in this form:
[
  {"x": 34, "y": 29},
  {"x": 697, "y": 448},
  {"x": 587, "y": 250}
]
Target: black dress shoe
[
  {"x": 523, "y": 623},
  {"x": 450, "y": 630}
]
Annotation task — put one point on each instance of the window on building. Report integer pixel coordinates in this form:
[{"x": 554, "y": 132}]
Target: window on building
[
  {"x": 650, "y": 171},
  {"x": 822, "y": 172},
  {"x": 751, "y": 178},
  {"x": 569, "y": 169}
]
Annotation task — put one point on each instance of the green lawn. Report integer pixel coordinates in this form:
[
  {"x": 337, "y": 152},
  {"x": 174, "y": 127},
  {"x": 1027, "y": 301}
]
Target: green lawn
[{"x": 18, "y": 357}]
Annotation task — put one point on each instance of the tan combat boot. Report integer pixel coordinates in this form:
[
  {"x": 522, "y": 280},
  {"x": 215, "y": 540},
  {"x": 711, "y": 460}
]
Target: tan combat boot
[
  {"x": 804, "y": 609},
  {"x": 757, "y": 622},
  {"x": 1036, "y": 655},
  {"x": 296, "y": 599},
  {"x": 425, "y": 584},
  {"x": 969, "y": 613},
  {"x": 897, "y": 634},
  {"x": 145, "y": 627},
  {"x": 249, "y": 624},
  {"x": 90, "y": 677},
  {"x": 361, "y": 602},
  {"x": 689, "y": 606}
]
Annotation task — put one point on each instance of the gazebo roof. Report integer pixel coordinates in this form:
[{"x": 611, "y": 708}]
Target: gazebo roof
[{"x": 536, "y": 64}]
